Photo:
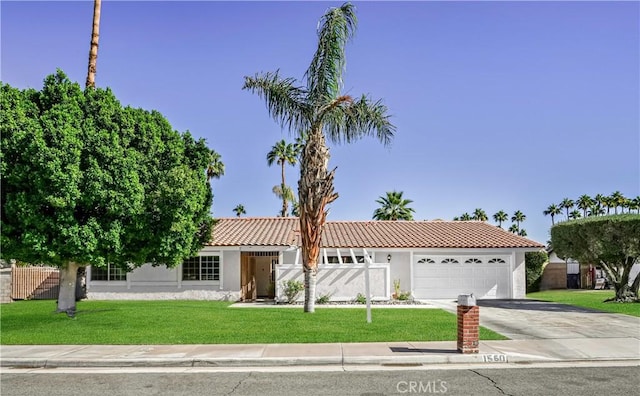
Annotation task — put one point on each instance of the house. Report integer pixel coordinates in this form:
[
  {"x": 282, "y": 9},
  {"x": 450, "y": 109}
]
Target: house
[{"x": 249, "y": 258}]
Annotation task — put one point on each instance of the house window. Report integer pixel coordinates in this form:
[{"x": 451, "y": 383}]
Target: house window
[
  {"x": 111, "y": 273},
  {"x": 426, "y": 261},
  {"x": 449, "y": 261},
  {"x": 473, "y": 261},
  {"x": 201, "y": 268},
  {"x": 496, "y": 260},
  {"x": 345, "y": 259}
]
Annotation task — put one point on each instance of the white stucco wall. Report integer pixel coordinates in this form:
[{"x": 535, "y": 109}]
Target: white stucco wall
[
  {"x": 231, "y": 270},
  {"x": 400, "y": 268},
  {"x": 341, "y": 282},
  {"x": 519, "y": 277}
]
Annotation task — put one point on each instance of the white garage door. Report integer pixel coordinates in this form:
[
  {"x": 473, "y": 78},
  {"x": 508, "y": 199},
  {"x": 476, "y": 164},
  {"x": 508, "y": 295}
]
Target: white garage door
[{"x": 450, "y": 276}]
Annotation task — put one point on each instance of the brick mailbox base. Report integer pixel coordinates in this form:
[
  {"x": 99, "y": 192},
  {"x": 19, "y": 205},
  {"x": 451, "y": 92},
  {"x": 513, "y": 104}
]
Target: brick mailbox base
[{"x": 468, "y": 328}]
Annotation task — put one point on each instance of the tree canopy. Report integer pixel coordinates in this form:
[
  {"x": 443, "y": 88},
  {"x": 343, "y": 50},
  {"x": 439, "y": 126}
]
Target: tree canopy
[
  {"x": 612, "y": 242},
  {"x": 86, "y": 181},
  {"x": 393, "y": 207}
]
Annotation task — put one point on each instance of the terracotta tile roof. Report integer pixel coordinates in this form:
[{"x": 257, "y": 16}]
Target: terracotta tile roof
[{"x": 278, "y": 231}]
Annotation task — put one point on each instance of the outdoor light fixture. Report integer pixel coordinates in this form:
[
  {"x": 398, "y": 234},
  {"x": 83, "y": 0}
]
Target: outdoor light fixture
[{"x": 388, "y": 258}]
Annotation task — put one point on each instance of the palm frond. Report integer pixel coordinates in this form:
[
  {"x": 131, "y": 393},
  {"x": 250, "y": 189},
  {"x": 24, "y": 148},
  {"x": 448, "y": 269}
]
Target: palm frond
[
  {"x": 324, "y": 75},
  {"x": 285, "y": 101},
  {"x": 352, "y": 120}
]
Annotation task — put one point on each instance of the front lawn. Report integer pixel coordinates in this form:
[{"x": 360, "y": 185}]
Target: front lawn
[
  {"x": 213, "y": 322},
  {"x": 589, "y": 299}
]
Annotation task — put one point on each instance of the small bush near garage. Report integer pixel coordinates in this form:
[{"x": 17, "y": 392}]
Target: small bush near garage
[{"x": 534, "y": 265}]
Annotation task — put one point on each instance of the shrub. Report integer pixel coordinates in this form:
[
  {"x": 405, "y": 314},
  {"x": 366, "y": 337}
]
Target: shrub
[
  {"x": 361, "y": 299},
  {"x": 324, "y": 299},
  {"x": 404, "y": 296},
  {"x": 292, "y": 289},
  {"x": 534, "y": 265}
]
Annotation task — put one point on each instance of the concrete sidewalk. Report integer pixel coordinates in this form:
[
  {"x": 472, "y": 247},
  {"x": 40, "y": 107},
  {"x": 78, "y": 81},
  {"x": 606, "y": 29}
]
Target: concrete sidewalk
[{"x": 261, "y": 355}]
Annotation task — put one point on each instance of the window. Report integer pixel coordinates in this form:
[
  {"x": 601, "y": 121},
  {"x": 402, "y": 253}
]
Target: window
[
  {"x": 201, "y": 268},
  {"x": 426, "y": 261},
  {"x": 111, "y": 273},
  {"x": 449, "y": 261},
  {"x": 473, "y": 261},
  {"x": 345, "y": 259},
  {"x": 496, "y": 260}
]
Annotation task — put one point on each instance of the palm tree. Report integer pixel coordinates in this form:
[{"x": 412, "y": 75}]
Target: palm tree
[
  {"x": 480, "y": 215},
  {"x": 635, "y": 204},
  {"x": 575, "y": 214},
  {"x": 393, "y": 207},
  {"x": 295, "y": 209},
  {"x": 522, "y": 232},
  {"x": 93, "y": 50},
  {"x": 282, "y": 153},
  {"x": 500, "y": 217},
  {"x": 567, "y": 204},
  {"x": 514, "y": 228},
  {"x": 239, "y": 210},
  {"x": 322, "y": 112},
  {"x": 552, "y": 210},
  {"x": 596, "y": 209},
  {"x": 617, "y": 199},
  {"x": 286, "y": 194},
  {"x": 518, "y": 217},
  {"x": 215, "y": 169},
  {"x": 584, "y": 202},
  {"x": 465, "y": 217}
]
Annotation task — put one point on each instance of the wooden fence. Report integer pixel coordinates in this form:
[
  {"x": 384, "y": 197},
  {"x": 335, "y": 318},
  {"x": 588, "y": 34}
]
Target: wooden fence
[{"x": 34, "y": 283}]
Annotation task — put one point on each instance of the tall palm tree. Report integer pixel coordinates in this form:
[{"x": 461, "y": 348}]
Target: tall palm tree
[
  {"x": 552, "y": 210},
  {"x": 393, "y": 207},
  {"x": 93, "y": 50},
  {"x": 518, "y": 217},
  {"x": 215, "y": 169},
  {"x": 500, "y": 217},
  {"x": 239, "y": 210},
  {"x": 322, "y": 112},
  {"x": 617, "y": 200},
  {"x": 584, "y": 202},
  {"x": 567, "y": 204},
  {"x": 286, "y": 194},
  {"x": 575, "y": 214},
  {"x": 465, "y": 217},
  {"x": 282, "y": 153},
  {"x": 480, "y": 215}
]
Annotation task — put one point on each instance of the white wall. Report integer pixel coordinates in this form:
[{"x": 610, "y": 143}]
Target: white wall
[
  {"x": 400, "y": 268},
  {"x": 341, "y": 282},
  {"x": 231, "y": 270},
  {"x": 519, "y": 277}
]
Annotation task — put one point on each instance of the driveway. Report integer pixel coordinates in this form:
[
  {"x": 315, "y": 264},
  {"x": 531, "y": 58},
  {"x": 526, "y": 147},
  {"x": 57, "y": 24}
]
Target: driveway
[{"x": 531, "y": 319}]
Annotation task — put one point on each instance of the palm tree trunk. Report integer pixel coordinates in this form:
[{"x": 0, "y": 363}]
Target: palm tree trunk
[
  {"x": 67, "y": 293},
  {"x": 315, "y": 192},
  {"x": 93, "y": 51},
  {"x": 284, "y": 196}
]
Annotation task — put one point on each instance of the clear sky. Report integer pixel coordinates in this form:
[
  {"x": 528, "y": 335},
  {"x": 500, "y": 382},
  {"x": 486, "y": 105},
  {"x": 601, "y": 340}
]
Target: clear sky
[{"x": 498, "y": 105}]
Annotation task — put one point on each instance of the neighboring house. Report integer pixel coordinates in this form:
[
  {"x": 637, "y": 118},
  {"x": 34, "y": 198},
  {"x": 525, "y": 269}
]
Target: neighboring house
[
  {"x": 249, "y": 258},
  {"x": 570, "y": 274}
]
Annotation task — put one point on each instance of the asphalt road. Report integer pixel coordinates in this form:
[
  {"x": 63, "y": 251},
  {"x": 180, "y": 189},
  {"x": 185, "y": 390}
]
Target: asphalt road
[{"x": 583, "y": 381}]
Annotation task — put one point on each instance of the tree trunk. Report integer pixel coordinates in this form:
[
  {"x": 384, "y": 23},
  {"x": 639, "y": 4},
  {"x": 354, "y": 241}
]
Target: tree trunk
[
  {"x": 284, "y": 196},
  {"x": 310, "y": 290},
  {"x": 93, "y": 50},
  {"x": 315, "y": 192},
  {"x": 67, "y": 294}
]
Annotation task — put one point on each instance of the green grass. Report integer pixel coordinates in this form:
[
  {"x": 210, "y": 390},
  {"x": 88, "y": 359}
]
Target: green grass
[
  {"x": 588, "y": 299},
  {"x": 213, "y": 322}
]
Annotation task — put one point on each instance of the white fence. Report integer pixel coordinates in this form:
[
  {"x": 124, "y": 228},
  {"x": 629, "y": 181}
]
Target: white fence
[{"x": 342, "y": 282}]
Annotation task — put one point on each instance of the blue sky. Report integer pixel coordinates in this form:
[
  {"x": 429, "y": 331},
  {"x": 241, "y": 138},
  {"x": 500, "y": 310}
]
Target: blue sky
[{"x": 498, "y": 105}]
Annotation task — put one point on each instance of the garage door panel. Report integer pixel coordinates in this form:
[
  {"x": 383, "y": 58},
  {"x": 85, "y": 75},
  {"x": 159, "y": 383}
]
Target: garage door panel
[{"x": 483, "y": 279}]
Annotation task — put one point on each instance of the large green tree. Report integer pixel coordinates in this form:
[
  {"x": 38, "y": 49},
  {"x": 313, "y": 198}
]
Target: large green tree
[
  {"x": 320, "y": 111},
  {"x": 393, "y": 207},
  {"x": 613, "y": 242},
  {"x": 86, "y": 181},
  {"x": 283, "y": 153}
]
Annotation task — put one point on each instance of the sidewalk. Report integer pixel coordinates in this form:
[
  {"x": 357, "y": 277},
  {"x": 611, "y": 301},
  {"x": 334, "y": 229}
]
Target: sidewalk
[{"x": 261, "y": 355}]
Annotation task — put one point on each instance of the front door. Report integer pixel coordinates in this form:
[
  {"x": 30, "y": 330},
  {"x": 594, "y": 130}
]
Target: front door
[
  {"x": 256, "y": 275},
  {"x": 247, "y": 277}
]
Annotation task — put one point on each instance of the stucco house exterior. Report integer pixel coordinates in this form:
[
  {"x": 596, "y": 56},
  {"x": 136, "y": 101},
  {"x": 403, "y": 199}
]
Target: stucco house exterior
[{"x": 249, "y": 259}]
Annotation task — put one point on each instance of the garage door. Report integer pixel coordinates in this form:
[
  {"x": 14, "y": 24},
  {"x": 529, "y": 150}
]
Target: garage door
[{"x": 450, "y": 276}]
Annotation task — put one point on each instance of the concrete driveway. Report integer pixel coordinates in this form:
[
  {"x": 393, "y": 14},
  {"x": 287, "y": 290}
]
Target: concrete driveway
[{"x": 532, "y": 319}]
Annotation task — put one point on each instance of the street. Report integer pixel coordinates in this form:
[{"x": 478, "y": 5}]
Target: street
[{"x": 317, "y": 381}]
